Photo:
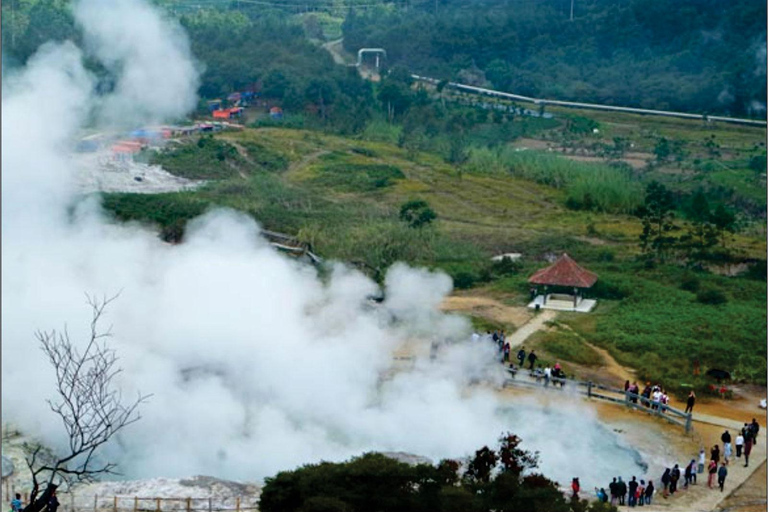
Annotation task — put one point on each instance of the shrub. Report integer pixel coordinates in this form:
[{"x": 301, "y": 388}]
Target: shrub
[
  {"x": 365, "y": 152},
  {"x": 358, "y": 177},
  {"x": 690, "y": 283},
  {"x": 711, "y": 296},
  {"x": 417, "y": 213},
  {"x": 464, "y": 280}
]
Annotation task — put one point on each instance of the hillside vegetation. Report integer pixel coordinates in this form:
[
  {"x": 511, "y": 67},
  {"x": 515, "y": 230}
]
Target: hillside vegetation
[
  {"x": 345, "y": 196},
  {"x": 689, "y": 55}
]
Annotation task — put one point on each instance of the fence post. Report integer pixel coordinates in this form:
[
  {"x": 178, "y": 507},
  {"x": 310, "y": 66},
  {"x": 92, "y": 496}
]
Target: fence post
[
  {"x": 72, "y": 501},
  {"x": 237, "y": 504},
  {"x": 157, "y": 504},
  {"x": 589, "y": 389},
  {"x": 135, "y": 503},
  {"x": 114, "y": 504},
  {"x": 210, "y": 505},
  {"x": 95, "y": 502},
  {"x": 189, "y": 504},
  {"x": 688, "y": 423}
]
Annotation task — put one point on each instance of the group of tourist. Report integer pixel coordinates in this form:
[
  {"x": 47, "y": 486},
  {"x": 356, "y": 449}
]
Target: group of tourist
[
  {"x": 631, "y": 493},
  {"x": 654, "y": 397}
]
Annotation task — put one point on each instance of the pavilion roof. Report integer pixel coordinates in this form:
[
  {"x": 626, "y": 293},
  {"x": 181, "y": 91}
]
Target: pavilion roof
[{"x": 564, "y": 272}]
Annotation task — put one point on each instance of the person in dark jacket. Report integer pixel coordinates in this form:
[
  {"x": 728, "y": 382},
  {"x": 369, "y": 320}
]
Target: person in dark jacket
[
  {"x": 674, "y": 476},
  {"x": 521, "y": 357},
  {"x": 613, "y": 490},
  {"x": 632, "y": 492},
  {"x": 721, "y": 474},
  {"x": 532, "y": 359},
  {"x": 690, "y": 402},
  {"x": 621, "y": 489},
  {"x": 715, "y": 454},
  {"x": 665, "y": 479},
  {"x": 649, "y": 492},
  {"x": 755, "y": 427}
]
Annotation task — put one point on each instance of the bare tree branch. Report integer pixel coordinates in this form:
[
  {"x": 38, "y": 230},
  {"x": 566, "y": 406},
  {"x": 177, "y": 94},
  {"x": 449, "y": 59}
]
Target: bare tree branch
[{"x": 91, "y": 410}]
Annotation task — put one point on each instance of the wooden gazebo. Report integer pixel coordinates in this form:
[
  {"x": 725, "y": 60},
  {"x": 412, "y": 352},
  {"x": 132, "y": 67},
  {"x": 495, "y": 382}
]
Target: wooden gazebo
[{"x": 563, "y": 276}]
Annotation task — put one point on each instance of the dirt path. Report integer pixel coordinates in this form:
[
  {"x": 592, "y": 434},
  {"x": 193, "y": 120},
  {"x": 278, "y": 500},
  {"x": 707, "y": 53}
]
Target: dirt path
[{"x": 536, "y": 324}]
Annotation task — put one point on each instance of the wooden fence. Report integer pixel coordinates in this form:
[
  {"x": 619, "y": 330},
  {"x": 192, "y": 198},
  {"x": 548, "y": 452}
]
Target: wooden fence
[
  {"x": 615, "y": 395},
  {"x": 73, "y": 502}
]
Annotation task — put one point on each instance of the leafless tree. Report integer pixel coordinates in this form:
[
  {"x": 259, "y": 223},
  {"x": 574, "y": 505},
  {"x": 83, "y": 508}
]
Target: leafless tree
[{"x": 89, "y": 406}]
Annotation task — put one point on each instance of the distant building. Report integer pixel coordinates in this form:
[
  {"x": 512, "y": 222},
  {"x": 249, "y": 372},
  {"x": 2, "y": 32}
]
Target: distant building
[
  {"x": 228, "y": 113},
  {"x": 124, "y": 150}
]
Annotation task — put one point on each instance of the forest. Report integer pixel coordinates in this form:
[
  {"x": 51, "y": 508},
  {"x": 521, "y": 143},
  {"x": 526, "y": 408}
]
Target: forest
[{"x": 690, "y": 55}]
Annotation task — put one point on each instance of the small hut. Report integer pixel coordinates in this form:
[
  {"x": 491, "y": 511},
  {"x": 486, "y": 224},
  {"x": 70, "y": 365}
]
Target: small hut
[{"x": 564, "y": 283}]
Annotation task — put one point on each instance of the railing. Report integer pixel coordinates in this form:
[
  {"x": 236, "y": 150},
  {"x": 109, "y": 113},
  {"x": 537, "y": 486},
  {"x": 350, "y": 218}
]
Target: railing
[
  {"x": 74, "y": 502},
  {"x": 600, "y": 392}
]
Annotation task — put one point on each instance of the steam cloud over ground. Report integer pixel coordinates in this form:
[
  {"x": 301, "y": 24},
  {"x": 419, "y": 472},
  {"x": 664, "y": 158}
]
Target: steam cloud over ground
[{"x": 255, "y": 364}]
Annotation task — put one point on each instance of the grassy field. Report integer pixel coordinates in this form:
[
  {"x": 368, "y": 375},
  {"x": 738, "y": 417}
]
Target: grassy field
[{"x": 343, "y": 196}]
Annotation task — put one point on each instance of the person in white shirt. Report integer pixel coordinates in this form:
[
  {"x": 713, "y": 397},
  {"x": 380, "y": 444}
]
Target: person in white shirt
[
  {"x": 739, "y": 444},
  {"x": 656, "y": 399}
]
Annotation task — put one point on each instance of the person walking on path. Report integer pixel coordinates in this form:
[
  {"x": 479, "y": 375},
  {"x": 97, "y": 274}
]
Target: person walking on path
[
  {"x": 721, "y": 474},
  {"x": 747, "y": 449},
  {"x": 612, "y": 488},
  {"x": 714, "y": 454},
  {"x": 726, "y": 439},
  {"x": 532, "y": 359},
  {"x": 690, "y": 402},
  {"x": 702, "y": 460},
  {"x": 690, "y": 473},
  {"x": 712, "y": 469},
  {"x": 739, "y": 445},
  {"x": 521, "y": 356},
  {"x": 649, "y": 492},
  {"x": 755, "y": 429}
]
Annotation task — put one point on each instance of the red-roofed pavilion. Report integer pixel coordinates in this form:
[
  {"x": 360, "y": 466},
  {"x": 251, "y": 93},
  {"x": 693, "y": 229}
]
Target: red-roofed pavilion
[{"x": 563, "y": 273}]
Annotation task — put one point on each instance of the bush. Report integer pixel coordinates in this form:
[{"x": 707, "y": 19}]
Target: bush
[
  {"x": 711, "y": 296},
  {"x": 417, "y": 213},
  {"x": 464, "y": 280},
  {"x": 690, "y": 283},
  {"x": 358, "y": 177}
]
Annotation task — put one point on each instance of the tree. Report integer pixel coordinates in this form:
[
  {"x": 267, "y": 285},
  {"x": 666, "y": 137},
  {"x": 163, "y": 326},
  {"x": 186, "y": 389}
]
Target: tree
[
  {"x": 656, "y": 215},
  {"x": 91, "y": 410},
  {"x": 417, "y": 213},
  {"x": 702, "y": 234}
]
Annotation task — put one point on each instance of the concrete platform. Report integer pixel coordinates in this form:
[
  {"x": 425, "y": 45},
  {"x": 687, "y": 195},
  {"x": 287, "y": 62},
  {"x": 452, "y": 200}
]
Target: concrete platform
[{"x": 584, "y": 306}]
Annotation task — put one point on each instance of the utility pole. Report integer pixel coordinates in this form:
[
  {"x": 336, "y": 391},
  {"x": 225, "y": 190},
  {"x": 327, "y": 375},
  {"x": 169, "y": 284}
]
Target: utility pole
[{"x": 571, "y": 9}]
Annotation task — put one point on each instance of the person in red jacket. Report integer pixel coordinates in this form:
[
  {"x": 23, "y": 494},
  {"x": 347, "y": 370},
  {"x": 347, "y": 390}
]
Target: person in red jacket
[{"x": 575, "y": 487}]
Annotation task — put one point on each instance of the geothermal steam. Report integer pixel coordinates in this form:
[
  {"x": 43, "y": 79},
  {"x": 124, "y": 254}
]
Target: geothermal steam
[{"x": 254, "y": 363}]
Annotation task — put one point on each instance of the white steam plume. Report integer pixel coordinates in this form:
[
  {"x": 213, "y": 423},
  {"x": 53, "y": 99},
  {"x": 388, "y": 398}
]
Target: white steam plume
[
  {"x": 157, "y": 78},
  {"x": 255, "y": 364}
]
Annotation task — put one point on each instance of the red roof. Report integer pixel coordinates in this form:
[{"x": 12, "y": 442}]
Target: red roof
[{"x": 564, "y": 272}]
